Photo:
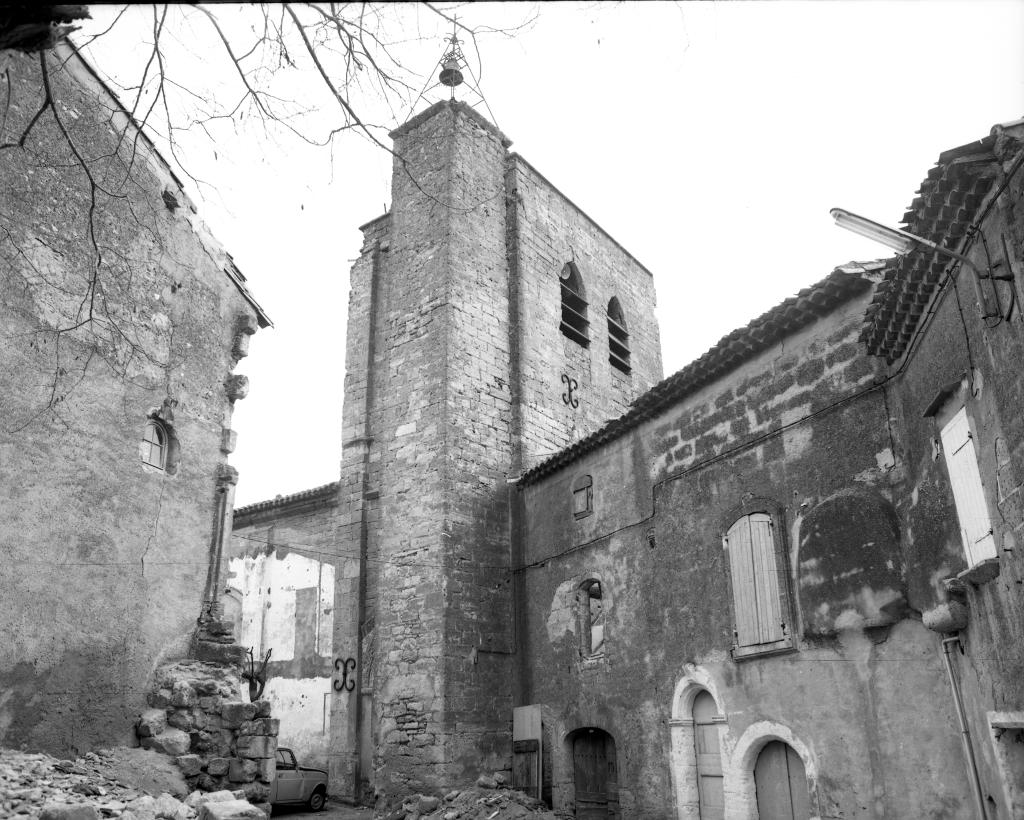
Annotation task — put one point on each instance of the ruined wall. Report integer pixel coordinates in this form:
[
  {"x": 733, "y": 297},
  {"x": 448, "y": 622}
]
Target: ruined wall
[
  {"x": 799, "y": 431},
  {"x": 439, "y": 383},
  {"x": 219, "y": 740},
  {"x": 107, "y": 560},
  {"x": 975, "y": 363},
  {"x": 284, "y": 573}
]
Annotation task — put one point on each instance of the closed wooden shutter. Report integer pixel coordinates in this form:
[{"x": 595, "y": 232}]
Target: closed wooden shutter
[
  {"x": 968, "y": 494},
  {"x": 755, "y": 582},
  {"x": 741, "y": 564}
]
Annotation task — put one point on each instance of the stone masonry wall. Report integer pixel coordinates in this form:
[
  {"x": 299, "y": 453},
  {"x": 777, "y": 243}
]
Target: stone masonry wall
[
  {"x": 547, "y": 230},
  {"x": 106, "y": 559},
  {"x": 220, "y": 742},
  {"x": 406, "y": 544},
  {"x": 453, "y": 347}
]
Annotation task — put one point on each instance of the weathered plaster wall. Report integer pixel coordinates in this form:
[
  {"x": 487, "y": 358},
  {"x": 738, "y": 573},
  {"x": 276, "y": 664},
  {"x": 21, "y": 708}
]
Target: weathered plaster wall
[
  {"x": 106, "y": 560},
  {"x": 982, "y": 364},
  {"x": 862, "y": 698},
  {"x": 284, "y": 583}
]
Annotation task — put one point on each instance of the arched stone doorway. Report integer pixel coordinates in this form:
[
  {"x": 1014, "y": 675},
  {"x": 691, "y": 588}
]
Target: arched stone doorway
[
  {"x": 781, "y": 783},
  {"x": 595, "y": 774}
]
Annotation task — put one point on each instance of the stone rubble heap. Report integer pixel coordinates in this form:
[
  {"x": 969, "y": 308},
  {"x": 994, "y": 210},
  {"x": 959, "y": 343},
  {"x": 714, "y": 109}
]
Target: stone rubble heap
[
  {"x": 36, "y": 786},
  {"x": 219, "y": 741},
  {"x": 490, "y": 799}
]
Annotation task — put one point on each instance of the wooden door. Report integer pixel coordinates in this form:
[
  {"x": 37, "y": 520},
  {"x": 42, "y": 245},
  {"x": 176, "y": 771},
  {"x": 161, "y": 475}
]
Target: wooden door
[
  {"x": 706, "y": 729},
  {"x": 592, "y": 769},
  {"x": 526, "y": 766},
  {"x": 781, "y": 784}
]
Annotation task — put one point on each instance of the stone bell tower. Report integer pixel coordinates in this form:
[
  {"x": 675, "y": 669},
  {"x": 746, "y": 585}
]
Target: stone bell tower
[{"x": 463, "y": 368}]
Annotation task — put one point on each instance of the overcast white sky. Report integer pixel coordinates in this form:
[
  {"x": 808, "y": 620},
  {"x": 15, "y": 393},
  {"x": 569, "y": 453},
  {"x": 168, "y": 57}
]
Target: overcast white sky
[{"x": 710, "y": 139}]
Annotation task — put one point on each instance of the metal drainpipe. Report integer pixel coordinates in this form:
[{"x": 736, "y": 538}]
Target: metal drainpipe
[{"x": 965, "y": 733}]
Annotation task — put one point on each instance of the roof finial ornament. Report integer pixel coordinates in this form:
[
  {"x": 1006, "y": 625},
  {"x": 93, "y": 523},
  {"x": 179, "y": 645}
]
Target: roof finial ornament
[{"x": 452, "y": 62}]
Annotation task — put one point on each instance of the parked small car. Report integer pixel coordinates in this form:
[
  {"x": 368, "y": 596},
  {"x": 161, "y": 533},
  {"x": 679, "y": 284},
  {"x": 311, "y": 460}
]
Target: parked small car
[{"x": 297, "y": 784}]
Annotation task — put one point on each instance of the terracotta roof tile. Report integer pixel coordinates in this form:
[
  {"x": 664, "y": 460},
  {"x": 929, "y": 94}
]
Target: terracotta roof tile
[
  {"x": 325, "y": 491},
  {"x": 732, "y": 350},
  {"x": 943, "y": 212}
]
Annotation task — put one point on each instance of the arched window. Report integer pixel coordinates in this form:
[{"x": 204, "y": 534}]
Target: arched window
[
  {"x": 574, "y": 305},
  {"x": 590, "y": 617},
  {"x": 757, "y": 571},
  {"x": 154, "y": 444},
  {"x": 618, "y": 337}
]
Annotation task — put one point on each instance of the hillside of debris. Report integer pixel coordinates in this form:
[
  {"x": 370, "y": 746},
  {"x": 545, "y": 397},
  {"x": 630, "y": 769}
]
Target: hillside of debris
[
  {"x": 129, "y": 784},
  {"x": 487, "y": 800}
]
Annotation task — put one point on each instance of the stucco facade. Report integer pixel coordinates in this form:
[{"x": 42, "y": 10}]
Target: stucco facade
[{"x": 111, "y": 329}]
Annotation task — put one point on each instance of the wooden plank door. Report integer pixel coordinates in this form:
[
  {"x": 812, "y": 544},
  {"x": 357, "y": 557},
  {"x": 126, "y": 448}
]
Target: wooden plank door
[
  {"x": 781, "y": 784},
  {"x": 706, "y": 741},
  {"x": 590, "y": 768}
]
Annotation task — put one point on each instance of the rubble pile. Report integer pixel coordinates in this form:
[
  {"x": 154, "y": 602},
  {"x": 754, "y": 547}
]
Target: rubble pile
[
  {"x": 220, "y": 742},
  {"x": 489, "y": 799},
  {"x": 35, "y": 785}
]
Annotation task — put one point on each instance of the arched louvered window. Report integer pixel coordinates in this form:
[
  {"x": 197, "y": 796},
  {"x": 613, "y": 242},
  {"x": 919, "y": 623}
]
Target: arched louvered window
[
  {"x": 618, "y": 337},
  {"x": 574, "y": 306}
]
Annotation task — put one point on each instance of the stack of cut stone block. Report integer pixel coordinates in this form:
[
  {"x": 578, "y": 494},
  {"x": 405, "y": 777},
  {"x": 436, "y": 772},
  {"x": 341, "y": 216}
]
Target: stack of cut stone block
[{"x": 219, "y": 741}]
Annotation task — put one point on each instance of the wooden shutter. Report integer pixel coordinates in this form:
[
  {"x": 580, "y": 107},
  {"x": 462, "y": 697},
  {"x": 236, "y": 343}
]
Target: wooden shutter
[
  {"x": 766, "y": 578},
  {"x": 741, "y": 565},
  {"x": 968, "y": 494},
  {"x": 755, "y": 582}
]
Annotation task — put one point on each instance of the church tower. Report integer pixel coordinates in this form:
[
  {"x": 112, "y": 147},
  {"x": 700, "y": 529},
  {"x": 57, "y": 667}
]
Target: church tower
[{"x": 491, "y": 323}]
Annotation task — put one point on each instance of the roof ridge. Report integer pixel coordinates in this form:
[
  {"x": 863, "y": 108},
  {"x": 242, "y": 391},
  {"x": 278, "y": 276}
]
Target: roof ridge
[
  {"x": 729, "y": 352},
  {"x": 285, "y": 500}
]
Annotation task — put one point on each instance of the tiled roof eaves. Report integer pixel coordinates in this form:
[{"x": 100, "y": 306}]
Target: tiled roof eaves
[
  {"x": 731, "y": 351},
  {"x": 323, "y": 492},
  {"x": 945, "y": 207}
]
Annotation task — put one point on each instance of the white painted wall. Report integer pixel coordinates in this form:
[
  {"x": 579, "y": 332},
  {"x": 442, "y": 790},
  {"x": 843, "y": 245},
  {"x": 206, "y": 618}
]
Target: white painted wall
[{"x": 264, "y": 587}]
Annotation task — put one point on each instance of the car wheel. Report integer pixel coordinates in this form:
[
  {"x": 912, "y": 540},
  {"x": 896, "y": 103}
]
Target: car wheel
[{"x": 317, "y": 800}]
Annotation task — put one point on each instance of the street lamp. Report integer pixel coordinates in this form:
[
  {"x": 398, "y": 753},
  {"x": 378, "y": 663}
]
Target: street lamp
[
  {"x": 900, "y": 241},
  {"x": 903, "y": 242}
]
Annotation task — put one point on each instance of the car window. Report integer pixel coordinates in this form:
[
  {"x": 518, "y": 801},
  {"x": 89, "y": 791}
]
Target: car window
[{"x": 285, "y": 759}]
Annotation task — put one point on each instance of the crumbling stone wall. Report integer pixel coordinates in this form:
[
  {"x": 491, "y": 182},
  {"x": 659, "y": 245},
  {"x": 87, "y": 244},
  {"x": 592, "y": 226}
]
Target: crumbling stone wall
[
  {"x": 220, "y": 741},
  {"x": 106, "y": 559}
]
